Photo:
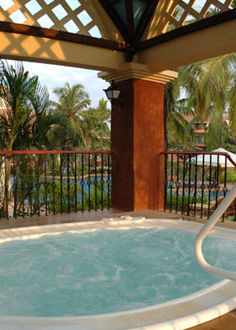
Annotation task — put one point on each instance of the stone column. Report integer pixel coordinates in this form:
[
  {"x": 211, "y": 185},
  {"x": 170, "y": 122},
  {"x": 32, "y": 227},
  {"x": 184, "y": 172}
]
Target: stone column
[{"x": 137, "y": 137}]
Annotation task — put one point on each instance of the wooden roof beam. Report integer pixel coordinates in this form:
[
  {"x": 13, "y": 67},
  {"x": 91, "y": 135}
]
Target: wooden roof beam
[
  {"x": 52, "y": 50},
  {"x": 208, "y": 38}
]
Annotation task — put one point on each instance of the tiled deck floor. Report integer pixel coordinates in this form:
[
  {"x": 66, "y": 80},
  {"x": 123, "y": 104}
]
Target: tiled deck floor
[
  {"x": 92, "y": 216},
  {"x": 226, "y": 322},
  {"x": 80, "y": 216}
]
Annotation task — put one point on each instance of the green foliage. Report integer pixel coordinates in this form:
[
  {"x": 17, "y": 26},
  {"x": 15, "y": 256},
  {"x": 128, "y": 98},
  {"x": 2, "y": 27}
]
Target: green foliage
[
  {"x": 68, "y": 133},
  {"x": 230, "y": 175},
  {"x": 233, "y": 4},
  {"x": 49, "y": 185},
  {"x": 176, "y": 124},
  {"x": 80, "y": 126},
  {"x": 182, "y": 202},
  {"x": 218, "y": 132},
  {"x": 25, "y": 122},
  {"x": 206, "y": 90},
  {"x": 96, "y": 126},
  {"x": 57, "y": 198},
  {"x": 32, "y": 121}
]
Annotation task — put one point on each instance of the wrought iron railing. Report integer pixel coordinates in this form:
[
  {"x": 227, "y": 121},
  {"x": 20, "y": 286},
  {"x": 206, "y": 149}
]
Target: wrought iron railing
[
  {"x": 195, "y": 182},
  {"x": 52, "y": 182}
]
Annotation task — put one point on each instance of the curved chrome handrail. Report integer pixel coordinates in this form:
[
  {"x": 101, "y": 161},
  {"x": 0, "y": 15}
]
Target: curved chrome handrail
[{"x": 229, "y": 198}]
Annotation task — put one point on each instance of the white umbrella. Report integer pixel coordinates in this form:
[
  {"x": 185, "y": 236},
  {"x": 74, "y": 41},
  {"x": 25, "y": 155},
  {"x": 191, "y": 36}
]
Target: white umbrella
[{"x": 215, "y": 160}]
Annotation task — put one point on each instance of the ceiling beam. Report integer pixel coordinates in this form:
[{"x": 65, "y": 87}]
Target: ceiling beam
[
  {"x": 53, "y": 51},
  {"x": 60, "y": 35},
  {"x": 190, "y": 28},
  {"x": 208, "y": 38}
]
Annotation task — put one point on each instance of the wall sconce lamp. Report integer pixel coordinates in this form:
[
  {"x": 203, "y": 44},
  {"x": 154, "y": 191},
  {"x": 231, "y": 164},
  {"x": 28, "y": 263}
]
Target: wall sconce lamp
[{"x": 113, "y": 93}]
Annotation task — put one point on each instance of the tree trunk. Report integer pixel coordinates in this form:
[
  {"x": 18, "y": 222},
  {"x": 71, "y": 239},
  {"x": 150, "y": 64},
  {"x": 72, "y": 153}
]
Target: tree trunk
[{"x": 7, "y": 193}]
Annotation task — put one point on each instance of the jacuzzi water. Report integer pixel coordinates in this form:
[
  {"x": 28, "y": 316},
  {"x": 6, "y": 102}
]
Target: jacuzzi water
[{"x": 104, "y": 271}]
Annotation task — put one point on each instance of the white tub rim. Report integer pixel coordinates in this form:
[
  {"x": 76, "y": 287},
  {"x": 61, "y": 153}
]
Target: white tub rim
[{"x": 206, "y": 314}]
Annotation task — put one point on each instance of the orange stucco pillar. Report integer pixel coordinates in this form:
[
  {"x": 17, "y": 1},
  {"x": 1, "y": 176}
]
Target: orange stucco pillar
[{"x": 137, "y": 137}]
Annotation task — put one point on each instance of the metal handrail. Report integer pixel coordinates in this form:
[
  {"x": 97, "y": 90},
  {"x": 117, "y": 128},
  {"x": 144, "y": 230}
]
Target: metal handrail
[
  {"x": 52, "y": 182},
  {"x": 53, "y": 152},
  {"x": 216, "y": 153},
  {"x": 231, "y": 195}
]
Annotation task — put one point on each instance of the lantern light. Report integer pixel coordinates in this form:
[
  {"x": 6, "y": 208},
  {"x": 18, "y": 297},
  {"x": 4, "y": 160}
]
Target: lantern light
[{"x": 112, "y": 92}]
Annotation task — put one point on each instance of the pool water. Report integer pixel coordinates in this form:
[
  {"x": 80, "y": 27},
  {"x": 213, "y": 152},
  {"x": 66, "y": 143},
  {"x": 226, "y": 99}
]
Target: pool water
[{"x": 104, "y": 271}]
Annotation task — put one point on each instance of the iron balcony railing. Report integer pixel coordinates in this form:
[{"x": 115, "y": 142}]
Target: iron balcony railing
[
  {"x": 195, "y": 182},
  {"x": 52, "y": 182}
]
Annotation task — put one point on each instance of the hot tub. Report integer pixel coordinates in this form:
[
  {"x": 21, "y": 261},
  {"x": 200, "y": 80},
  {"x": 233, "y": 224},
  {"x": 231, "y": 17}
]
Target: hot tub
[{"x": 136, "y": 257}]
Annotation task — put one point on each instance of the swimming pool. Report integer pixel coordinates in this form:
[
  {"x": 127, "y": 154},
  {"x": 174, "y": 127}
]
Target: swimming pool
[{"x": 124, "y": 280}]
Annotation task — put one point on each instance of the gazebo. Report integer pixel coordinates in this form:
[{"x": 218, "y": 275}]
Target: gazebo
[{"x": 134, "y": 43}]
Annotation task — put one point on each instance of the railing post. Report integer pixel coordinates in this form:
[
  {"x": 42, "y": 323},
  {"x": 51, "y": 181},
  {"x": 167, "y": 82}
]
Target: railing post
[
  {"x": 7, "y": 178},
  {"x": 165, "y": 159},
  {"x": 39, "y": 181},
  {"x": 75, "y": 182},
  {"x": 199, "y": 181}
]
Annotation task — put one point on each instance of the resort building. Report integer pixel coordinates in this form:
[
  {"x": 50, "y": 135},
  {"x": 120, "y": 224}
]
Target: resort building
[{"x": 201, "y": 128}]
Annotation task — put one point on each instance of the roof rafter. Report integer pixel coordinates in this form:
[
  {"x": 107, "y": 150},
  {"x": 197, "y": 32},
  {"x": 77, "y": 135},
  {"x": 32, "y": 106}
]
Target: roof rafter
[
  {"x": 188, "y": 29},
  {"x": 130, "y": 19},
  {"x": 145, "y": 19},
  {"x": 115, "y": 18},
  {"x": 130, "y": 33},
  {"x": 209, "y": 37},
  {"x": 61, "y": 35},
  {"x": 43, "y": 49},
  {"x": 189, "y": 44}
]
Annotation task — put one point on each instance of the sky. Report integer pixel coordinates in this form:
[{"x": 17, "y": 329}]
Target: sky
[{"x": 53, "y": 76}]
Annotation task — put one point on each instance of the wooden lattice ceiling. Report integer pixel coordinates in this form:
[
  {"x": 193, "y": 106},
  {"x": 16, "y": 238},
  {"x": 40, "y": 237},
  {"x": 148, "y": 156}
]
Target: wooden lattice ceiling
[
  {"x": 124, "y": 28},
  {"x": 74, "y": 16},
  {"x": 128, "y": 20},
  {"x": 174, "y": 14}
]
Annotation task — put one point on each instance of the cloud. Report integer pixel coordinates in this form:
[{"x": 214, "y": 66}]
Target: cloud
[{"x": 53, "y": 76}]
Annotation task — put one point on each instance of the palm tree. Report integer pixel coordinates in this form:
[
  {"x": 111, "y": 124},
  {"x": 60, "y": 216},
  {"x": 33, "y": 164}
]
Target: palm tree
[
  {"x": 97, "y": 126},
  {"x": 206, "y": 83},
  {"x": 72, "y": 102},
  {"x": 232, "y": 104},
  {"x": 218, "y": 133},
  {"x": 209, "y": 92},
  {"x": 45, "y": 119},
  {"x": 17, "y": 90},
  {"x": 25, "y": 105},
  {"x": 26, "y": 120},
  {"x": 176, "y": 125}
]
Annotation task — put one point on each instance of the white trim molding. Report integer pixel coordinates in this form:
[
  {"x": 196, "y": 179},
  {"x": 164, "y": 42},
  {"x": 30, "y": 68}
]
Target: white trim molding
[{"x": 138, "y": 71}]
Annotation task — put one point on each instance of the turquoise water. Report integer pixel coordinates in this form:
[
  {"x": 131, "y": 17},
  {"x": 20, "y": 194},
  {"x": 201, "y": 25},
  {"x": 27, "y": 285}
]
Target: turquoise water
[{"x": 103, "y": 271}]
